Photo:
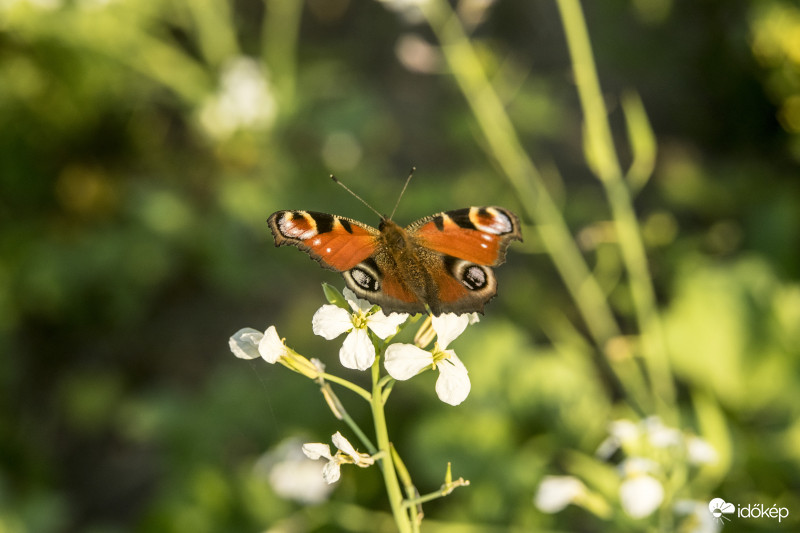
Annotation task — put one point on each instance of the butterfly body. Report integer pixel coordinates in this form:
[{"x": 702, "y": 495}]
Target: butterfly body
[{"x": 442, "y": 261}]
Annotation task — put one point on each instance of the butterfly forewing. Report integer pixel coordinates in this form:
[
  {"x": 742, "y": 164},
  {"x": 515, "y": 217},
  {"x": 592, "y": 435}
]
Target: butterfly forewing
[
  {"x": 338, "y": 243},
  {"x": 477, "y": 234}
]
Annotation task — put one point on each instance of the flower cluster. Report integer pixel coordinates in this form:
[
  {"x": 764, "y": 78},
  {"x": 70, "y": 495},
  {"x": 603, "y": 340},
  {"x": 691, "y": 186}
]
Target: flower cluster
[
  {"x": 403, "y": 361},
  {"x": 652, "y": 451},
  {"x": 368, "y": 334}
]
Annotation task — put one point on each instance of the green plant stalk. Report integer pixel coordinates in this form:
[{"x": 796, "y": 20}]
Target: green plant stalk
[
  {"x": 279, "y": 48},
  {"x": 505, "y": 147},
  {"x": 603, "y": 156},
  {"x": 393, "y": 490},
  {"x": 347, "y": 384},
  {"x": 341, "y": 413},
  {"x": 216, "y": 35}
]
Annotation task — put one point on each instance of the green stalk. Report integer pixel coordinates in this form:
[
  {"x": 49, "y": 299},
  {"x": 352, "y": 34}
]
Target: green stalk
[
  {"x": 279, "y": 50},
  {"x": 603, "y": 157},
  {"x": 347, "y": 384},
  {"x": 505, "y": 147},
  {"x": 393, "y": 490}
]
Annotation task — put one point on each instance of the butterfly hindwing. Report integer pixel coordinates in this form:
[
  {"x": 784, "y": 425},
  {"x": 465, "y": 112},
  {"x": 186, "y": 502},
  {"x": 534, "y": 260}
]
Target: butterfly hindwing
[{"x": 386, "y": 281}]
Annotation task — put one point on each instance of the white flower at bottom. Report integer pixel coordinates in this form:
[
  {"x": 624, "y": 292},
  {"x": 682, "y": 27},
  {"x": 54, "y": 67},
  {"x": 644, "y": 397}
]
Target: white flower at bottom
[
  {"x": 357, "y": 351},
  {"x": 404, "y": 361},
  {"x": 641, "y": 495},
  {"x": 556, "y": 492},
  {"x": 346, "y": 454},
  {"x": 698, "y": 518},
  {"x": 292, "y": 475}
]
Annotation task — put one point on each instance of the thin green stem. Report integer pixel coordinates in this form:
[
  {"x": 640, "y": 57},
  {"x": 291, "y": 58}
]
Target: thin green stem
[
  {"x": 341, "y": 413},
  {"x": 603, "y": 156},
  {"x": 281, "y": 28},
  {"x": 393, "y": 490},
  {"x": 347, "y": 384},
  {"x": 415, "y": 511},
  {"x": 444, "y": 491},
  {"x": 504, "y": 145}
]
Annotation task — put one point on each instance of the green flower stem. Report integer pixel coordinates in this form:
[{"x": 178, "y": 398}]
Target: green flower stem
[
  {"x": 504, "y": 145},
  {"x": 347, "y": 384},
  {"x": 444, "y": 491},
  {"x": 401, "y": 516},
  {"x": 603, "y": 157},
  {"x": 341, "y": 413},
  {"x": 408, "y": 486},
  {"x": 280, "y": 31}
]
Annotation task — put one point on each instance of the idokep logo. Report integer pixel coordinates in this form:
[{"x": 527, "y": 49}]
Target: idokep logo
[{"x": 719, "y": 508}]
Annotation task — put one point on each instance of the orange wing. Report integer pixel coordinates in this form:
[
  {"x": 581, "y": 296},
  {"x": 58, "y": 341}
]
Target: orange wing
[
  {"x": 338, "y": 243},
  {"x": 476, "y": 234}
]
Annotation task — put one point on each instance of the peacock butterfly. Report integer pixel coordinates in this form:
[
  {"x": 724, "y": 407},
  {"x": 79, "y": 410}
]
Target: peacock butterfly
[
  {"x": 442, "y": 261},
  {"x": 439, "y": 263}
]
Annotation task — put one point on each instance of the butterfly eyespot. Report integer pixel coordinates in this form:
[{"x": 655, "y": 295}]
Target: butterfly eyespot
[
  {"x": 474, "y": 277},
  {"x": 364, "y": 279}
]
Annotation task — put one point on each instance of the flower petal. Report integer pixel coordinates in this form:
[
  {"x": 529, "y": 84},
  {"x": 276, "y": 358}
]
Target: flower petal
[
  {"x": 357, "y": 351},
  {"x": 356, "y": 303},
  {"x": 271, "y": 347},
  {"x": 556, "y": 492},
  {"x": 453, "y": 385},
  {"x": 343, "y": 444},
  {"x": 331, "y": 321},
  {"x": 244, "y": 343},
  {"x": 315, "y": 450},
  {"x": 641, "y": 495},
  {"x": 404, "y": 361},
  {"x": 449, "y": 326},
  {"x": 383, "y": 326},
  {"x": 331, "y": 472}
]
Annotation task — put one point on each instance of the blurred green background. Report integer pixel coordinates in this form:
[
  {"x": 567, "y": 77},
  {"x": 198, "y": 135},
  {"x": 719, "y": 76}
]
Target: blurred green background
[{"x": 143, "y": 143}]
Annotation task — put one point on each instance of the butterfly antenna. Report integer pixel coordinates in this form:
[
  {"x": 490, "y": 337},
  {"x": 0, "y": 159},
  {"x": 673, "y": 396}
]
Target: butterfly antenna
[
  {"x": 410, "y": 174},
  {"x": 336, "y": 180}
]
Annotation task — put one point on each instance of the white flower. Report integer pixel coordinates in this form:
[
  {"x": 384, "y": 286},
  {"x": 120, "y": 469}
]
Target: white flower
[
  {"x": 404, "y": 361},
  {"x": 641, "y": 495},
  {"x": 624, "y": 430},
  {"x": 620, "y": 432},
  {"x": 698, "y": 518},
  {"x": 633, "y": 466},
  {"x": 292, "y": 475},
  {"x": 556, "y": 492},
  {"x": 699, "y": 451},
  {"x": 245, "y": 100},
  {"x": 248, "y": 343},
  {"x": 346, "y": 454},
  {"x": 659, "y": 435},
  {"x": 357, "y": 351},
  {"x": 409, "y": 10}
]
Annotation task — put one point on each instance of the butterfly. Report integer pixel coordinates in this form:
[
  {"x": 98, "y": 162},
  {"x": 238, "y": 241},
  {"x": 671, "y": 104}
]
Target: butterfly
[{"x": 442, "y": 263}]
